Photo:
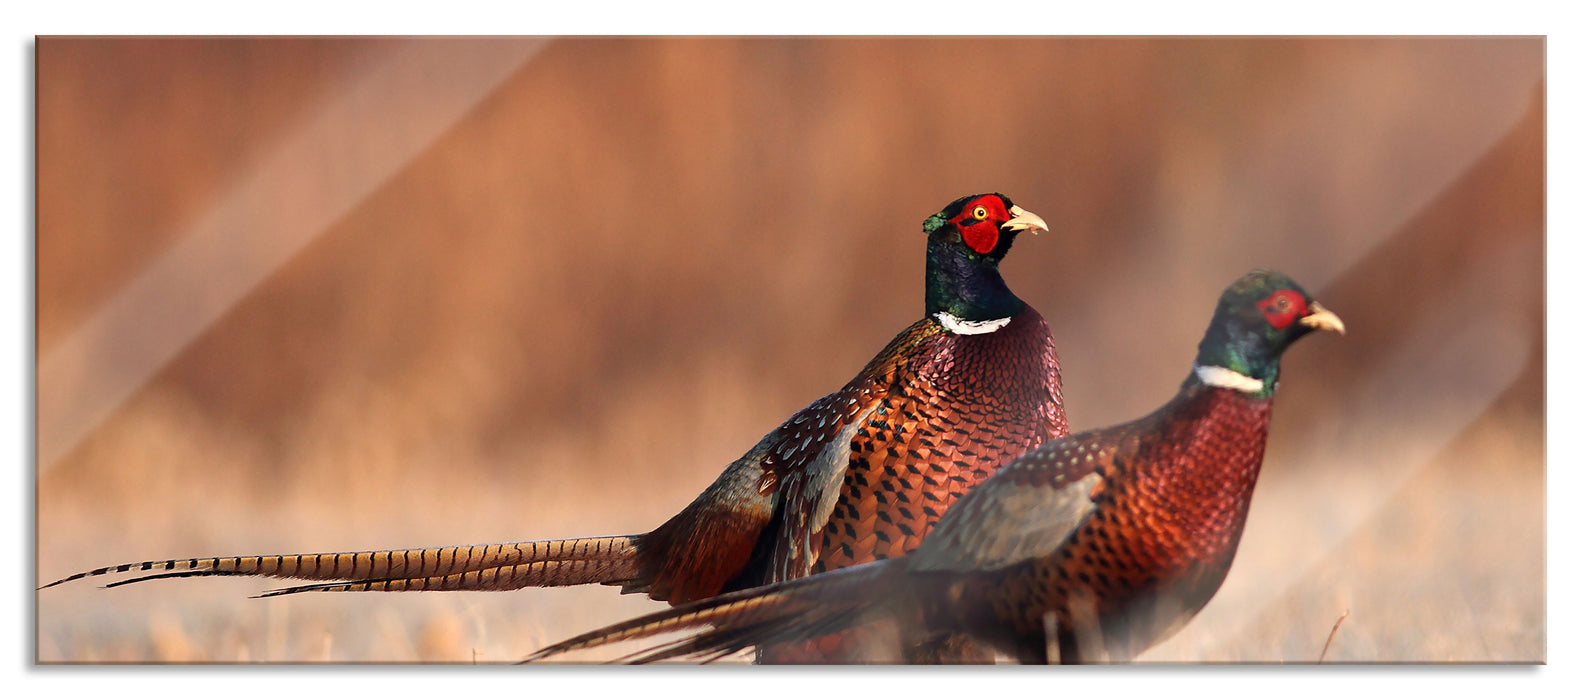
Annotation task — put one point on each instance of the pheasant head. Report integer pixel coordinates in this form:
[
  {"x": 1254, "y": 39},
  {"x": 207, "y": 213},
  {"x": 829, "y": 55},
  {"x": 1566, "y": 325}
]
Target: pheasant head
[
  {"x": 1258, "y": 317},
  {"x": 966, "y": 241}
]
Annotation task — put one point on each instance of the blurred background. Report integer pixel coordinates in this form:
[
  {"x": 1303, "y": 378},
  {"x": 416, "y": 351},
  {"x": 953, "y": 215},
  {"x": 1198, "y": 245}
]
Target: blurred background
[{"x": 300, "y": 295}]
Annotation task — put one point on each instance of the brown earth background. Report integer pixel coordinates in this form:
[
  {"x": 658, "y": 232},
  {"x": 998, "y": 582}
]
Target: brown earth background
[{"x": 616, "y": 263}]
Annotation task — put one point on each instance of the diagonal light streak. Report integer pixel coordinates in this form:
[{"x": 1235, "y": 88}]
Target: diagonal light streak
[{"x": 395, "y": 108}]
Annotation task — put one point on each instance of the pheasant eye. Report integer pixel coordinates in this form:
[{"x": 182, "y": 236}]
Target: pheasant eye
[
  {"x": 980, "y": 213},
  {"x": 1282, "y": 308}
]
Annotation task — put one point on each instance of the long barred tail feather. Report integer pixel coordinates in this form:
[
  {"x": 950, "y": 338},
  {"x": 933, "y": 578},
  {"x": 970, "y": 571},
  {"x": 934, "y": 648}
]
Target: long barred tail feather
[
  {"x": 482, "y": 567},
  {"x": 551, "y": 572},
  {"x": 795, "y": 610}
]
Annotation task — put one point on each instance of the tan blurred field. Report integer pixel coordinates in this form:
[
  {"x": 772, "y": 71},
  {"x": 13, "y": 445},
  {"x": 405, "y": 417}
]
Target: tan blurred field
[{"x": 605, "y": 267}]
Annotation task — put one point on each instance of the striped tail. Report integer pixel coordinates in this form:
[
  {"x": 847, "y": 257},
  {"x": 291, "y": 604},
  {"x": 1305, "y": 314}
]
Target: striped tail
[
  {"x": 789, "y": 611},
  {"x": 480, "y": 567}
]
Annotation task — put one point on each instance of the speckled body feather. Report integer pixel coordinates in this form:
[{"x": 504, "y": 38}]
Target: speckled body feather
[
  {"x": 1163, "y": 521},
  {"x": 951, "y": 410},
  {"x": 957, "y": 411},
  {"x": 865, "y": 472}
]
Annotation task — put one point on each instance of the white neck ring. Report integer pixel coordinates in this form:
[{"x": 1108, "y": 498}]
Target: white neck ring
[
  {"x": 961, "y": 326},
  {"x": 1228, "y": 379}
]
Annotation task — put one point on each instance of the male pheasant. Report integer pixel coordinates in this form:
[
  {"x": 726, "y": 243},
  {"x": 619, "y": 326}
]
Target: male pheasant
[
  {"x": 858, "y": 475},
  {"x": 1091, "y": 548}
]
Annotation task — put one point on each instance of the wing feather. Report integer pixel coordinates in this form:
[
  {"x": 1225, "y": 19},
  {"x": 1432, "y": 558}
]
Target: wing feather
[{"x": 1025, "y": 511}]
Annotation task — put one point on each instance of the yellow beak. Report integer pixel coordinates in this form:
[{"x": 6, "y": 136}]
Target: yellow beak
[
  {"x": 1323, "y": 319},
  {"x": 1022, "y": 219}
]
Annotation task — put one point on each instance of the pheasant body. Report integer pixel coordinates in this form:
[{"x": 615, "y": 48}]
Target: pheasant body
[
  {"x": 1170, "y": 502},
  {"x": 963, "y": 408},
  {"x": 860, "y": 474},
  {"x": 1089, "y": 548},
  {"x": 951, "y": 420}
]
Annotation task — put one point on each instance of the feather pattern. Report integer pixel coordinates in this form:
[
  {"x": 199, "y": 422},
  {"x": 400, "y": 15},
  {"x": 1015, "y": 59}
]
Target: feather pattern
[{"x": 499, "y": 566}]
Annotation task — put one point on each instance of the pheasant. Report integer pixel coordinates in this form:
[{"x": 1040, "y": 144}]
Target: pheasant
[
  {"x": 858, "y": 475},
  {"x": 1090, "y": 548}
]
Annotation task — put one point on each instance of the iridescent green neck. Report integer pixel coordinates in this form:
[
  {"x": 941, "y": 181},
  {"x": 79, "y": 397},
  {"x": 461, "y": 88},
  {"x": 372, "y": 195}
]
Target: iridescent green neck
[
  {"x": 967, "y": 285},
  {"x": 1245, "y": 353}
]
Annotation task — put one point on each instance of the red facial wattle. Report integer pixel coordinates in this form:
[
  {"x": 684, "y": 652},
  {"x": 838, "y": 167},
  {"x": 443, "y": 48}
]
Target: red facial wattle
[
  {"x": 981, "y": 237},
  {"x": 982, "y": 233},
  {"x": 1283, "y": 308}
]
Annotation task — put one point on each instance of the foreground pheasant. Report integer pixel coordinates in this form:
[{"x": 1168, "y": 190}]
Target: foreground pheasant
[
  {"x": 861, "y": 474},
  {"x": 1093, "y": 547}
]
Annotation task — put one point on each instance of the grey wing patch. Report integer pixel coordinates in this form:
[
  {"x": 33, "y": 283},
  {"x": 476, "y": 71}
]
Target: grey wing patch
[
  {"x": 1009, "y": 519},
  {"x": 811, "y": 498}
]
